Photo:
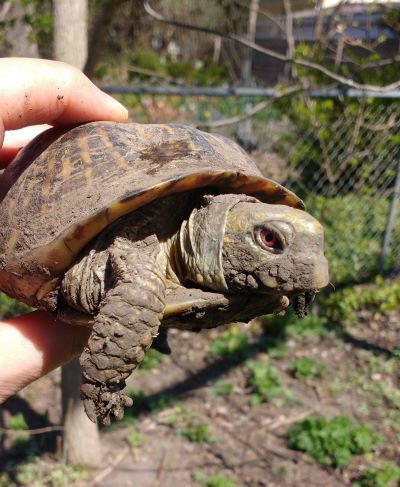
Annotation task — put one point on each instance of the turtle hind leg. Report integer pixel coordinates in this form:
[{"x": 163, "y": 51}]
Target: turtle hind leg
[{"x": 123, "y": 330}]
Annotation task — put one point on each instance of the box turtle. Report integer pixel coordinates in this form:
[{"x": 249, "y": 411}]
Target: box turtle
[{"x": 126, "y": 227}]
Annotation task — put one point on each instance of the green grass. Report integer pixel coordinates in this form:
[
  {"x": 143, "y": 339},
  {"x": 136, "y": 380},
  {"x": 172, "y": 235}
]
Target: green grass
[{"x": 332, "y": 441}]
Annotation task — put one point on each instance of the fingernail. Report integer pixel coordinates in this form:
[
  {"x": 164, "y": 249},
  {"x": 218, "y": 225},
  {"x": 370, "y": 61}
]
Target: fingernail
[{"x": 121, "y": 113}]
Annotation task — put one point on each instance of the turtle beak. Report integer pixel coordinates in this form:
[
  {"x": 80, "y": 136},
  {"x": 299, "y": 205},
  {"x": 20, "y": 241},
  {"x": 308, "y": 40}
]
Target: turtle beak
[
  {"x": 321, "y": 272},
  {"x": 312, "y": 274}
]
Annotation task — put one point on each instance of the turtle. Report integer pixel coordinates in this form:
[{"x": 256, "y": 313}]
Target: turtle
[{"x": 132, "y": 229}]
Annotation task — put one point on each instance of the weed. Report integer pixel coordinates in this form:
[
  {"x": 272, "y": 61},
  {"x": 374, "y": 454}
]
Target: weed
[
  {"x": 215, "y": 480},
  {"x": 152, "y": 358},
  {"x": 189, "y": 426},
  {"x": 306, "y": 368},
  {"x": 11, "y": 307},
  {"x": 388, "y": 475},
  {"x": 197, "y": 432},
  {"x": 36, "y": 473},
  {"x": 308, "y": 328},
  {"x": 179, "y": 414},
  {"x": 275, "y": 347},
  {"x": 331, "y": 442},
  {"x": 231, "y": 345},
  {"x": 153, "y": 405},
  {"x": 223, "y": 388},
  {"x": 264, "y": 380},
  {"x": 338, "y": 385},
  {"x": 382, "y": 296},
  {"x": 162, "y": 402},
  {"x": 135, "y": 439},
  {"x": 17, "y": 422}
]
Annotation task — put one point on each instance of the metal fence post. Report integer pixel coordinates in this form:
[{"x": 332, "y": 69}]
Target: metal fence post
[{"x": 390, "y": 221}]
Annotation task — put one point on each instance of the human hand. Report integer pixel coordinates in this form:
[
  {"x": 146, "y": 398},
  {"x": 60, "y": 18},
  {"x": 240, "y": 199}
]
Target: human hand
[{"x": 36, "y": 93}]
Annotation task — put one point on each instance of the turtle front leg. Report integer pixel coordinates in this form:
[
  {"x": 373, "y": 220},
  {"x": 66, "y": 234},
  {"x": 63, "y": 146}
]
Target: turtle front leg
[{"x": 127, "y": 322}]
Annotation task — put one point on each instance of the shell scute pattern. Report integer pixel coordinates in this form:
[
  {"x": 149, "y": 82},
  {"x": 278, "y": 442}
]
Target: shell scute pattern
[{"x": 69, "y": 184}]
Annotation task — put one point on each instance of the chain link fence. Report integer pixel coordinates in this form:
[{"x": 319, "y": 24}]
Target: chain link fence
[
  {"x": 348, "y": 173},
  {"x": 347, "y": 168}
]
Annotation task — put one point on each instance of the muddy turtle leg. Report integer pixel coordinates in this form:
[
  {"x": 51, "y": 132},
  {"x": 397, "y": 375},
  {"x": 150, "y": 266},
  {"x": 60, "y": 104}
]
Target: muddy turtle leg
[{"x": 127, "y": 322}]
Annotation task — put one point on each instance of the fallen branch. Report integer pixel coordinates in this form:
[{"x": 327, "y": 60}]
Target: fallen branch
[
  {"x": 116, "y": 461},
  {"x": 289, "y": 420},
  {"x": 37, "y": 431}
]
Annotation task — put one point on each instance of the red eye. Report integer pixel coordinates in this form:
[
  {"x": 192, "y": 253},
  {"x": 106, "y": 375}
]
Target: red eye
[{"x": 268, "y": 238}]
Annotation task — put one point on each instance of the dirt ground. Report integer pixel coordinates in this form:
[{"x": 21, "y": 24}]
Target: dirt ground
[{"x": 188, "y": 392}]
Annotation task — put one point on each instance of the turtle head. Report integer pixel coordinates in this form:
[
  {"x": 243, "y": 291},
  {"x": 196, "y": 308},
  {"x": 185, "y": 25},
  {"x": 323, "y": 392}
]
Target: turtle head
[
  {"x": 235, "y": 243},
  {"x": 272, "y": 248}
]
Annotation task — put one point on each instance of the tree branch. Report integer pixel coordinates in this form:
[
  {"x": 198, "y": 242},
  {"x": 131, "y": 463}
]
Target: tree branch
[
  {"x": 250, "y": 113},
  {"x": 269, "y": 52}
]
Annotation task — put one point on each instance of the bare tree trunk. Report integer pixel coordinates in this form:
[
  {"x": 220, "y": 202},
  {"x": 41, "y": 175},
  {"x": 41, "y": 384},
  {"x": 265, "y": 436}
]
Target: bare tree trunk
[
  {"x": 101, "y": 23},
  {"x": 18, "y": 33},
  {"x": 81, "y": 443},
  {"x": 251, "y": 34},
  {"x": 245, "y": 129},
  {"x": 70, "y": 31}
]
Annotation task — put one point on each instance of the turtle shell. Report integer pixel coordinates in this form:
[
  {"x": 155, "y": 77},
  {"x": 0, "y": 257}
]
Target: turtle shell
[{"x": 67, "y": 185}]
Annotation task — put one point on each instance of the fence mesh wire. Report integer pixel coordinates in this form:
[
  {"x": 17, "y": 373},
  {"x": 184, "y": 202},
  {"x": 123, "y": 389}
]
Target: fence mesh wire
[{"x": 348, "y": 174}]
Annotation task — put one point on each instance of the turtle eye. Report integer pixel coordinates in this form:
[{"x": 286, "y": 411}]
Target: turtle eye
[{"x": 269, "y": 239}]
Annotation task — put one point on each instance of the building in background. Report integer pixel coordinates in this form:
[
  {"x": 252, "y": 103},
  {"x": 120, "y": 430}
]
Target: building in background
[{"x": 357, "y": 20}]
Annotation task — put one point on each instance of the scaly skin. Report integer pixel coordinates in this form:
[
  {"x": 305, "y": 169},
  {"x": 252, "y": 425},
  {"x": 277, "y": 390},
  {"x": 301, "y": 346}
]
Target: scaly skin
[
  {"x": 124, "y": 328},
  {"x": 213, "y": 242}
]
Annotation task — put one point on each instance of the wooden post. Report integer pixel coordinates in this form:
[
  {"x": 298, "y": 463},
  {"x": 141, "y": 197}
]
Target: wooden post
[{"x": 390, "y": 221}]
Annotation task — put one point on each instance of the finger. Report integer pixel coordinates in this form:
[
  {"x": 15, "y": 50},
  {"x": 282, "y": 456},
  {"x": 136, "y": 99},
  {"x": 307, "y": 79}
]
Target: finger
[
  {"x": 32, "y": 345},
  {"x": 36, "y": 91},
  {"x": 14, "y": 140}
]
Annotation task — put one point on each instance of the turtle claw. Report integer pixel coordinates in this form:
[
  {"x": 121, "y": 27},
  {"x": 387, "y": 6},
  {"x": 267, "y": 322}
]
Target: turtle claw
[{"x": 102, "y": 404}]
